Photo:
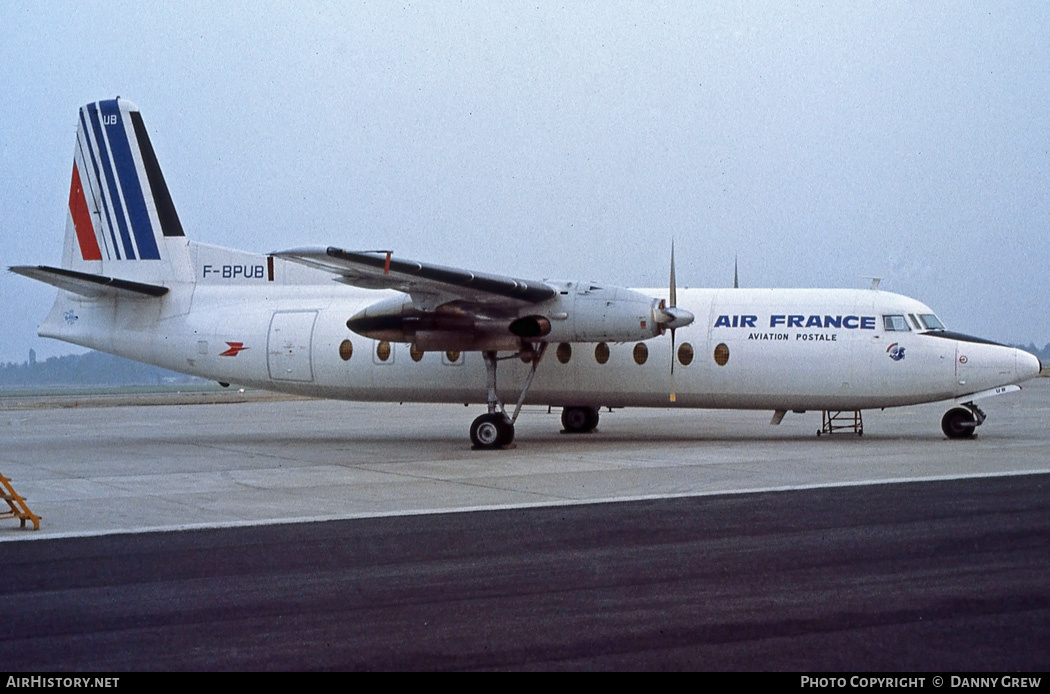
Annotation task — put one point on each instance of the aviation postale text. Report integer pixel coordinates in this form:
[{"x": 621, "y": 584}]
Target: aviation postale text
[{"x": 785, "y": 320}]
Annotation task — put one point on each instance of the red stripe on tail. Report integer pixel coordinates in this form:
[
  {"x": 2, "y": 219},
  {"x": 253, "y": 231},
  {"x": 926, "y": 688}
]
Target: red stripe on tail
[{"x": 89, "y": 249}]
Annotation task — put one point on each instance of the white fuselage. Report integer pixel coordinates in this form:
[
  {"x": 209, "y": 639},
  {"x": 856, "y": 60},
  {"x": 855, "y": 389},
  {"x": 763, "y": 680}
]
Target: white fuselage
[{"x": 780, "y": 349}]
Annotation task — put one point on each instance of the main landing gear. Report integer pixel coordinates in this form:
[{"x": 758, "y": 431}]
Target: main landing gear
[
  {"x": 495, "y": 429},
  {"x": 492, "y": 430},
  {"x": 960, "y": 422},
  {"x": 579, "y": 420}
]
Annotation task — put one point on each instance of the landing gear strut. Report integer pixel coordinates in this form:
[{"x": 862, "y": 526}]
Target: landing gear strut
[
  {"x": 495, "y": 429},
  {"x": 961, "y": 422}
]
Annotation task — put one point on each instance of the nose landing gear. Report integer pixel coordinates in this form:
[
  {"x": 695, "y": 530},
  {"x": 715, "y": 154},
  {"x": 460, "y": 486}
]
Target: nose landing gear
[{"x": 961, "y": 422}]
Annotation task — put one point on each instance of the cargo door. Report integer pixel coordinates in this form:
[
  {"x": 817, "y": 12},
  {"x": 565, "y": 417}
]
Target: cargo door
[{"x": 288, "y": 346}]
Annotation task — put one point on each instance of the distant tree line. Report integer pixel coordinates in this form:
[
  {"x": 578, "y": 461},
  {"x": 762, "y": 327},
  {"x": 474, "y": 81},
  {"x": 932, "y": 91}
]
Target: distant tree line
[
  {"x": 91, "y": 369},
  {"x": 1043, "y": 354}
]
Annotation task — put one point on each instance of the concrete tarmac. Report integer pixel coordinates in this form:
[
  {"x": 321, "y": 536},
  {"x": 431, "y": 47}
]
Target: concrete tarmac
[{"x": 89, "y": 470}]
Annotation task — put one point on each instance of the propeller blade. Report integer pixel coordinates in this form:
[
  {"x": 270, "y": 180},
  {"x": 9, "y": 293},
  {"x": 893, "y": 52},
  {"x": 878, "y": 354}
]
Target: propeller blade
[
  {"x": 674, "y": 288},
  {"x": 667, "y": 314},
  {"x": 671, "y": 319},
  {"x": 674, "y": 396}
]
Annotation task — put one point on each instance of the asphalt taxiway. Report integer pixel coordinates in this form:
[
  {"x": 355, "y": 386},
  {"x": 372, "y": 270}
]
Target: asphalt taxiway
[
  {"x": 89, "y": 470},
  {"x": 915, "y": 577}
]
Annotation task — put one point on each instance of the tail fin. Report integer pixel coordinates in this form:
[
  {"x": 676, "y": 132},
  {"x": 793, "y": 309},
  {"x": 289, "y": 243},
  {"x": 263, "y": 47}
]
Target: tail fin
[{"x": 121, "y": 217}]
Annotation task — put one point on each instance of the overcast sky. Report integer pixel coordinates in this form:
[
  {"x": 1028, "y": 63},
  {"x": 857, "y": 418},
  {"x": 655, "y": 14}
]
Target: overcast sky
[{"x": 820, "y": 142}]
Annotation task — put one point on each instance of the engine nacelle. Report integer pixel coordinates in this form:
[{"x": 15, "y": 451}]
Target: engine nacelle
[
  {"x": 446, "y": 329},
  {"x": 584, "y": 312},
  {"x": 580, "y": 312},
  {"x": 531, "y": 327},
  {"x": 588, "y": 313},
  {"x": 397, "y": 320}
]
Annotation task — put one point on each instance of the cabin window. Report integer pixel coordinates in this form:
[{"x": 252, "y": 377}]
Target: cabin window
[
  {"x": 895, "y": 323},
  {"x": 564, "y": 352},
  {"x": 346, "y": 350},
  {"x": 601, "y": 353},
  {"x": 931, "y": 322},
  {"x": 685, "y": 354},
  {"x": 453, "y": 358},
  {"x": 641, "y": 353},
  {"x": 383, "y": 351},
  {"x": 722, "y": 354},
  {"x": 416, "y": 353}
]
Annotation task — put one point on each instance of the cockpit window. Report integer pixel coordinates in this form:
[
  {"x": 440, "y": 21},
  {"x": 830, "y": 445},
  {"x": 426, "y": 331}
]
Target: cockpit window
[
  {"x": 931, "y": 322},
  {"x": 895, "y": 323}
]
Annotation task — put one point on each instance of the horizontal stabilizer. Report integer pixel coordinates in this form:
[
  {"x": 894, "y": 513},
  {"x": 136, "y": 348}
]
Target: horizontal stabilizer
[{"x": 87, "y": 284}]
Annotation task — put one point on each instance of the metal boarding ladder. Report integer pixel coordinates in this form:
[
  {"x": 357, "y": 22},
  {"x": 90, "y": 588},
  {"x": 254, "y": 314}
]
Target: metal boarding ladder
[
  {"x": 17, "y": 502},
  {"x": 849, "y": 420}
]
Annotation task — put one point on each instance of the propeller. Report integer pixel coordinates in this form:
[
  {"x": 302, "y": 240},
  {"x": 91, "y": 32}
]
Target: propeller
[{"x": 670, "y": 317}]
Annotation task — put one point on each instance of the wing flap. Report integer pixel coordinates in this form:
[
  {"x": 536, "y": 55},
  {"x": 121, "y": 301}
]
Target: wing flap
[
  {"x": 429, "y": 285},
  {"x": 87, "y": 284}
]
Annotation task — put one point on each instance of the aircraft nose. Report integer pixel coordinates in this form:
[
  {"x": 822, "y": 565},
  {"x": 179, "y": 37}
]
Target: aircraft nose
[{"x": 1028, "y": 365}]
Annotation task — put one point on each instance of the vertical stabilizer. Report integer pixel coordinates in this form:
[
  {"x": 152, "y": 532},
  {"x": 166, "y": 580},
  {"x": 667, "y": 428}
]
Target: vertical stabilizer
[{"x": 122, "y": 221}]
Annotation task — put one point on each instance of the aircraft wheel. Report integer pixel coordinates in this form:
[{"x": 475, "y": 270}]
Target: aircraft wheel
[
  {"x": 579, "y": 420},
  {"x": 592, "y": 418},
  {"x": 958, "y": 423},
  {"x": 491, "y": 431}
]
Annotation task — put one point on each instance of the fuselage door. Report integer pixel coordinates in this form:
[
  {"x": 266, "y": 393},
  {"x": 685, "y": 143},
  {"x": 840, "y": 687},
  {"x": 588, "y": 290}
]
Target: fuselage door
[{"x": 288, "y": 346}]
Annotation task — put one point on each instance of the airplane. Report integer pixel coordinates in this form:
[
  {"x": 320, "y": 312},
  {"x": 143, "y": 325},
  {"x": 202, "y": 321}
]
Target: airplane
[{"x": 371, "y": 326}]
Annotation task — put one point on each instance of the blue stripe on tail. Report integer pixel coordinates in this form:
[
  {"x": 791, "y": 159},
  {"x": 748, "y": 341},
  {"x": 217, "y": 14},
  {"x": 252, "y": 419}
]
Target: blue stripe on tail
[
  {"x": 111, "y": 183},
  {"x": 124, "y": 163}
]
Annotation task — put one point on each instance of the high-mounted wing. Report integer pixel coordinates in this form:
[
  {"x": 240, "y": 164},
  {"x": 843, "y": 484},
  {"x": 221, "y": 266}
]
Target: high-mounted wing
[
  {"x": 460, "y": 310},
  {"x": 429, "y": 285}
]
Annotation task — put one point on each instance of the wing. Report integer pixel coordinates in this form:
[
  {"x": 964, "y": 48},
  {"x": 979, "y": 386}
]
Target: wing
[{"x": 430, "y": 286}]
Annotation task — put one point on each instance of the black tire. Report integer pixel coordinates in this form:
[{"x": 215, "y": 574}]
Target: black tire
[
  {"x": 579, "y": 420},
  {"x": 491, "y": 431},
  {"x": 958, "y": 423}
]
